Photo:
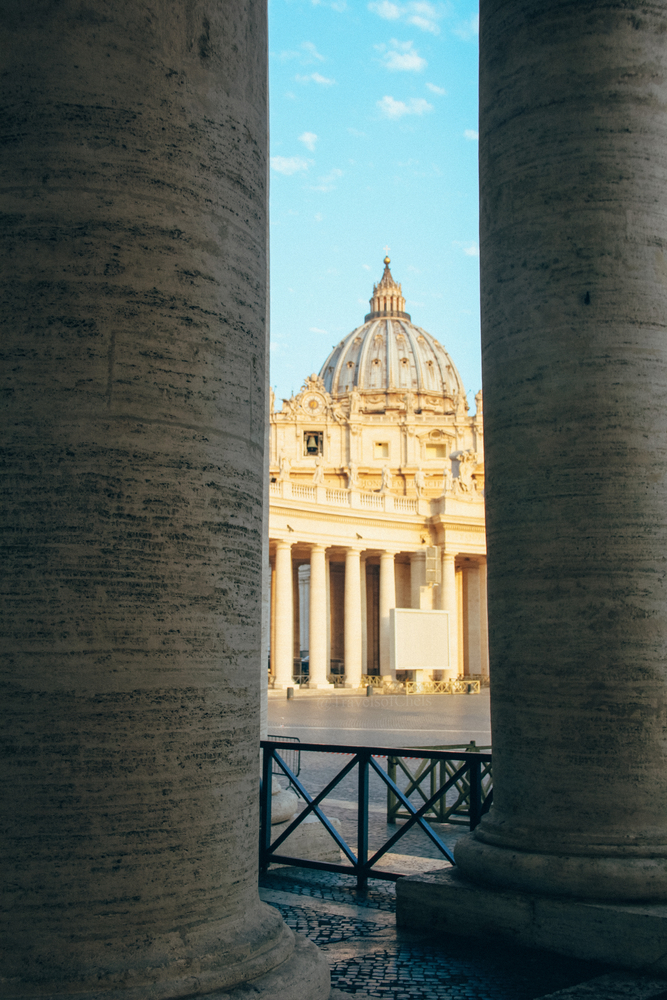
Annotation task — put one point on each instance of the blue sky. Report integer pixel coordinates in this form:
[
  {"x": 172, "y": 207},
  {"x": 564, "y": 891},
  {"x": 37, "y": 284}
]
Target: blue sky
[{"x": 373, "y": 144}]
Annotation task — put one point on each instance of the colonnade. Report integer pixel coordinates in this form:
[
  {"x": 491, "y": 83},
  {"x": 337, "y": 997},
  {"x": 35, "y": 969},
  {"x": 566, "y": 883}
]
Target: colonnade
[{"x": 461, "y": 592}]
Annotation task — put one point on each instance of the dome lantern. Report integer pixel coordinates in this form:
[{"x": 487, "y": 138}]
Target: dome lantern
[{"x": 387, "y": 298}]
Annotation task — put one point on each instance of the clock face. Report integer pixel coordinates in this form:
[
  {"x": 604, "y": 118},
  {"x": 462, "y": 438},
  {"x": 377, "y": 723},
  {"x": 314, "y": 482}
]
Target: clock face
[{"x": 313, "y": 404}]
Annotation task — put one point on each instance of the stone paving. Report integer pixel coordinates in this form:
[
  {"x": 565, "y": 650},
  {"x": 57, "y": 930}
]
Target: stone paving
[{"x": 356, "y": 930}]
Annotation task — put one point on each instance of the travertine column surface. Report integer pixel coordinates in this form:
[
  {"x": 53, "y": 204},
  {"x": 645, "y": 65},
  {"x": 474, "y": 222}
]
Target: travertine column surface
[
  {"x": 387, "y": 601},
  {"x": 352, "y": 618},
  {"x": 573, "y": 157},
  {"x": 317, "y": 650},
  {"x": 283, "y": 658},
  {"x": 133, "y": 306}
]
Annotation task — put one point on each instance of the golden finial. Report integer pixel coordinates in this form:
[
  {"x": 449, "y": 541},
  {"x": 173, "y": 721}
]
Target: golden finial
[{"x": 387, "y": 260}]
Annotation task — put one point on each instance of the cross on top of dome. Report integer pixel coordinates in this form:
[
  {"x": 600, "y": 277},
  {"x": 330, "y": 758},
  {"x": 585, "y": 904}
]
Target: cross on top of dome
[{"x": 387, "y": 299}]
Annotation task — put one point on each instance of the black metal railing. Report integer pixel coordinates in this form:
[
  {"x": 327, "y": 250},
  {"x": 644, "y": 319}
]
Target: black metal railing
[
  {"x": 468, "y": 765},
  {"x": 425, "y": 776}
]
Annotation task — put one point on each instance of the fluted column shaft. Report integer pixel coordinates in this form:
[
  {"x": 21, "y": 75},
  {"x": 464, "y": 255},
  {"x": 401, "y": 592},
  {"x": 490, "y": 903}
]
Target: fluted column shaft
[
  {"x": 283, "y": 657},
  {"x": 573, "y": 166},
  {"x": 352, "y": 618},
  {"x": 387, "y": 602}
]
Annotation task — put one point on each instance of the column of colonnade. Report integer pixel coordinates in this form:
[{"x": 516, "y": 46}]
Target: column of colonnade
[
  {"x": 387, "y": 602},
  {"x": 283, "y": 655},
  {"x": 462, "y": 594},
  {"x": 134, "y": 362},
  {"x": 572, "y": 165},
  {"x": 449, "y": 603},
  {"x": 352, "y": 619},
  {"x": 318, "y": 649}
]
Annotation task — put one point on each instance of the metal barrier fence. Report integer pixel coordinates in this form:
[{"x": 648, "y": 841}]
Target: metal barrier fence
[
  {"x": 433, "y": 774},
  {"x": 469, "y": 765}
]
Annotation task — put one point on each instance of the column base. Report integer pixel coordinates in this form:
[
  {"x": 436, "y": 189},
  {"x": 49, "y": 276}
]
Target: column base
[
  {"x": 324, "y": 686},
  {"x": 304, "y": 976},
  {"x": 629, "y": 935}
]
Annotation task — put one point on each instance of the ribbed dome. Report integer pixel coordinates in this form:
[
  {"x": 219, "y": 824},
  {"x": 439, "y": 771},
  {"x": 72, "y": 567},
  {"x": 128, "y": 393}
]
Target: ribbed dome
[{"x": 389, "y": 354}]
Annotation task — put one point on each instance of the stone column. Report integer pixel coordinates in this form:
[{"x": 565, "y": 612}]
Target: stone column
[
  {"x": 460, "y": 632},
  {"x": 318, "y": 620},
  {"x": 473, "y": 620},
  {"x": 284, "y": 615},
  {"x": 573, "y": 164},
  {"x": 449, "y": 603},
  {"x": 352, "y": 618},
  {"x": 134, "y": 266},
  {"x": 364, "y": 618},
  {"x": 387, "y": 602},
  {"x": 272, "y": 633},
  {"x": 296, "y": 623},
  {"x": 483, "y": 621}
]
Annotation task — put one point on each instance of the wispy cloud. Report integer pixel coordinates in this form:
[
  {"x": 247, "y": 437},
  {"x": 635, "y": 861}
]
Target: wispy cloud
[
  {"x": 338, "y": 5},
  {"x": 366, "y": 267},
  {"x": 401, "y": 56},
  {"x": 329, "y": 181},
  {"x": 470, "y": 249},
  {"x": 323, "y": 81},
  {"x": 306, "y": 54},
  {"x": 391, "y": 108},
  {"x": 359, "y": 135},
  {"x": 317, "y": 329},
  {"x": 289, "y": 164},
  {"x": 420, "y": 13},
  {"x": 436, "y": 90},
  {"x": 471, "y": 134},
  {"x": 469, "y": 29},
  {"x": 308, "y": 139}
]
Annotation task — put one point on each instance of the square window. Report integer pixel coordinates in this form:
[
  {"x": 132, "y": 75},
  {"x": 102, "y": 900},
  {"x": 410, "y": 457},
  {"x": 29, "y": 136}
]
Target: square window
[
  {"x": 381, "y": 449},
  {"x": 312, "y": 442},
  {"x": 436, "y": 451}
]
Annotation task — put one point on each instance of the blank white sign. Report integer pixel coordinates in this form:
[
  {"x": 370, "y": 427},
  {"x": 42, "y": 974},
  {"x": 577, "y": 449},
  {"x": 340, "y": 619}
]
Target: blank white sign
[{"x": 419, "y": 639}]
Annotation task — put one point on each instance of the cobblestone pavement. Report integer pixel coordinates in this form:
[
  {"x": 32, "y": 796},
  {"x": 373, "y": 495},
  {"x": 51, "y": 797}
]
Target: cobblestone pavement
[{"x": 357, "y": 932}]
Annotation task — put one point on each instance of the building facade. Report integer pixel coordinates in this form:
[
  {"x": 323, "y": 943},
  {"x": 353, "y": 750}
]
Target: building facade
[{"x": 376, "y": 503}]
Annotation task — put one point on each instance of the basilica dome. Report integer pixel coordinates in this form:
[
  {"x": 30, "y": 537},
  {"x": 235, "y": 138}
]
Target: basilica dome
[{"x": 391, "y": 356}]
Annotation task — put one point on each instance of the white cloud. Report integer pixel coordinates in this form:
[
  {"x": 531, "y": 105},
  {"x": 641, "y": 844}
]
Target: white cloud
[
  {"x": 355, "y": 131},
  {"x": 311, "y": 50},
  {"x": 470, "y": 249},
  {"x": 402, "y": 57},
  {"x": 316, "y": 329},
  {"x": 420, "y": 13},
  {"x": 324, "y": 81},
  {"x": 468, "y": 29},
  {"x": 338, "y": 5},
  {"x": 318, "y": 216},
  {"x": 471, "y": 134},
  {"x": 436, "y": 90},
  {"x": 288, "y": 164},
  {"x": 308, "y": 139},
  {"x": 328, "y": 182},
  {"x": 389, "y": 11},
  {"x": 390, "y": 108},
  {"x": 366, "y": 267},
  {"x": 307, "y": 54}
]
